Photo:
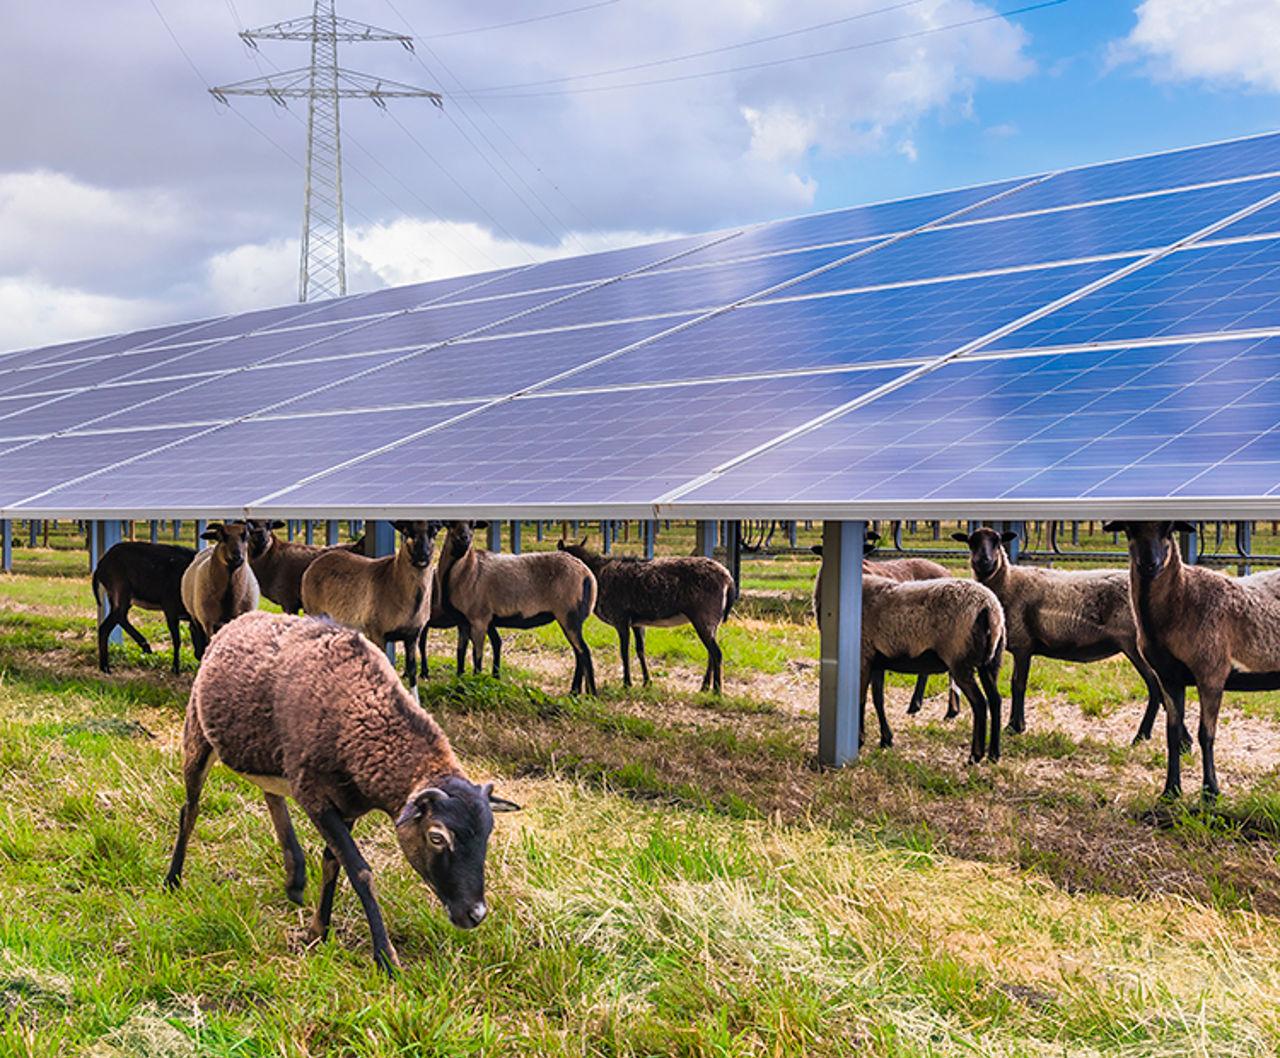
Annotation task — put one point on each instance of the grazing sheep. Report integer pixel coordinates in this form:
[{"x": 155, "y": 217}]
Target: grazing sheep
[
  {"x": 1081, "y": 615},
  {"x": 149, "y": 575},
  {"x": 388, "y": 599},
  {"x": 482, "y": 586},
  {"x": 219, "y": 586},
  {"x": 635, "y": 593},
  {"x": 932, "y": 626},
  {"x": 1197, "y": 626},
  {"x": 899, "y": 569},
  {"x": 304, "y": 708},
  {"x": 279, "y": 564}
]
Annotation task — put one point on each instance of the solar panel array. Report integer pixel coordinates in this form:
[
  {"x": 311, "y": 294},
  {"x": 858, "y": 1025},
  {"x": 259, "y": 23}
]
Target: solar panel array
[{"x": 1099, "y": 339}]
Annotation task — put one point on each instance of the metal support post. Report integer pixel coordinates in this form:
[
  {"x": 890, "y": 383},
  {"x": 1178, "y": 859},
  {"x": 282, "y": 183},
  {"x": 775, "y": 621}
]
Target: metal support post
[
  {"x": 606, "y": 535},
  {"x": 840, "y": 667},
  {"x": 1188, "y": 543},
  {"x": 791, "y": 534},
  {"x": 201, "y": 526},
  {"x": 495, "y": 536},
  {"x": 155, "y": 531},
  {"x": 6, "y": 545},
  {"x": 1244, "y": 545},
  {"x": 733, "y": 544},
  {"x": 311, "y": 531},
  {"x": 541, "y": 528},
  {"x": 380, "y": 541},
  {"x": 515, "y": 536},
  {"x": 331, "y": 532},
  {"x": 1014, "y": 547},
  {"x": 106, "y": 535},
  {"x": 650, "y": 537},
  {"x": 34, "y": 526},
  {"x": 706, "y": 537}
]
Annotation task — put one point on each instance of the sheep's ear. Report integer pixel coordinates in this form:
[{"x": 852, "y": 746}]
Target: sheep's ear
[
  {"x": 962, "y": 538},
  {"x": 211, "y": 534},
  {"x": 816, "y": 549},
  {"x": 479, "y": 525},
  {"x": 872, "y": 535},
  {"x": 501, "y": 804},
  {"x": 583, "y": 541},
  {"x": 277, "y": 524},
  {"x": 402, "y": 527},
  {"x": 1008, "y": 536},
  {"x": 559, "y": 545},
  {"x": 419, "y": 804},
  {"x": 434, "y": 527},
  {"x": 1184, "y": 527},
  {"x": 1114, "y": 527}
]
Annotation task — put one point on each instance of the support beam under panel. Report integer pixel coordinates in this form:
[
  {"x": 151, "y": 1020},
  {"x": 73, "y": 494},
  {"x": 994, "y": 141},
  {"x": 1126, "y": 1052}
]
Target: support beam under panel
[
  {"x": 706, "y": 538},
  {"x": 380, "y": 541},
  {"x": 840, "y": 669},
  {"x": 6, "y": 545},
  {"x": 331, "y": 536},
  {"x": 1190, "y": 545},
  {"x": 107, "y": 534},
  {"x": 495, "y": 535},
  {"x": 515, "y": 536}
]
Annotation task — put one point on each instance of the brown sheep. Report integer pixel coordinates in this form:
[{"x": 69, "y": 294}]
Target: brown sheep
[
  {"x": 635, "y": 593},
  {"x": 899, "y": 569},
  {"x": 279, "y": 564},
  {"x": 388, "y": 599},
  {"x": 219, "y": 585},
  {"x": 1197, "y": 626},
  {"x": 932, "y": 626},
  {"x": 1081, "y": 615},
  {"x": 483, "y": 585},
  {"x": 306, "y": 709}
]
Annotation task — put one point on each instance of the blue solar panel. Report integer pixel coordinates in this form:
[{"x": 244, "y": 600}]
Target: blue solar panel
[
  {"x": 480, "y": 369},
  {"x": 1114, "y": 228},
  {"x": 616, "y": 447},
  {"x": 1216, "y": 289},
  {"x": 398, "y": 299},
  {"x": 1152, "y": 421},
  {"x": 229, "y": 466},
  {"x": 1265, "y": 221},
  {"x": 70, "y": 410},
  {"x": 893, "y": 323},
  {"x": 1160, "y": 172},
  {"x": 27, "y": 470}
]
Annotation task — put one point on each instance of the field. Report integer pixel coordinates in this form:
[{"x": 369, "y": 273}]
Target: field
[{"x": 683, "y": 879}]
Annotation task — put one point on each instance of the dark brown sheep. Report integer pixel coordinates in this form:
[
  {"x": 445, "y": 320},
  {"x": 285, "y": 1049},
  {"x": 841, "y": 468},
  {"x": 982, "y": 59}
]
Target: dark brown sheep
[
  {"x": 219, "y": 586},
  {"x": 483, "y": 585},
  {"x": 1081, "y": 615},
  {"x": 147, "y": 575},
  {"x": 388, "y": 599},
  {"x": 637, "y": 593},
  {"x": 279, "y": 564},
  {"x": 305, "y": 708},
  {"x": 1197, "y": 626}
]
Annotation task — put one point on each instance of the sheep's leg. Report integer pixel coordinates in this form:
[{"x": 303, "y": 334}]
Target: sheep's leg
[
  {"x": 988, "y": 676},
  {"x": 175, "y": 635},
  {"x": 329, "y": 871},
  {"x": 337, "y": 832},
  {"x": 917, "y": 695},
  {"x": 198, "y": 639},
  {"x": 295, "y": 862},
  {"x": 1018, "y": 712},
  {"x": 197, "y": 759},
  {"x": 867, "y": 677},
  {"x": 104, "y": 637},
  {"x": 978, "y": 703},
  {"x": 714, "y": 656},
  {"x": 640, "y": 654},
  {"x": 411, "y": 660},
  {"x": 123, "y": 621},
  {"x": 1210, "y": 703},
  {"x": 1155, "y": 699},
  {"x": 953, "y": 699},
  {"x": 1174, "y": 710},
  {"x": 877, "y": 699},
  {"x": 624, "y": 648},
  {"x": 464, "y": 638},
  {"x": 495, "y": 643},
  {"x": 422, "y": 649},
  {"x": 478, "y": 631},
  {"x": 584, "y": 672}
]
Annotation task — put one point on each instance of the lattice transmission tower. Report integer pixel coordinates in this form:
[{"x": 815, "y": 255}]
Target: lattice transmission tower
[{"x": 322, "y": 272}]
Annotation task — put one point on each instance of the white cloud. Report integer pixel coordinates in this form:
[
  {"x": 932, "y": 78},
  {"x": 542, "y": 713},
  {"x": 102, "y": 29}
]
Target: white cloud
[
  {"x": 33, "y": 313},
  {"x": 1227, "y": 42}
]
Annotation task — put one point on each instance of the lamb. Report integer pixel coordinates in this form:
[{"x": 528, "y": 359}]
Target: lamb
[
  {"x": 1082, "y": 615},
  {"x": 279, "y": 564},
  {"x": 219, "y": 586},
  {"x": 635, "y": 593},
  {"x": 899, "y": 569},
  {"x": 149, "y": 575},
  {"x": 388, "y": 599},
  {"x": 447, "y": 617},
  {"x": 1197, "y": 626},
  {"x": 482, "y": 586},
  {"x": 304, "y": 708},
  {"x": 932, "y": 626}
]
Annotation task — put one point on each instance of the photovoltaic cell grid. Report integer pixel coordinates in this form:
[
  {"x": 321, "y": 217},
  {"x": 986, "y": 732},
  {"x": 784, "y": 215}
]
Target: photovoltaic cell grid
[{"x": 919, "y": 305}]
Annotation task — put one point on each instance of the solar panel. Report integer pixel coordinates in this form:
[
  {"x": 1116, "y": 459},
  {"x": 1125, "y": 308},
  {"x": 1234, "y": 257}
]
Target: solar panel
[{"x": 69, "y": 410}]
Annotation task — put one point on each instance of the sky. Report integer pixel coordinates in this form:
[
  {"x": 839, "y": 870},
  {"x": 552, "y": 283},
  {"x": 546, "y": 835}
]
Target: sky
[{"x": 129, "y": 196}]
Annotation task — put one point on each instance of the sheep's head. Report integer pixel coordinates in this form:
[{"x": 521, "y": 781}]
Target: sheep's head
[
  {"x": 231, "y": 541},
  {"x": 1150, "y": 543},
  {"x": 260, "y": 535},
  {"x": 577, "y": 550},
  {"x": 461, "y": 535},
  {"x": 986, "y": 549},
  {"x": 444, "y": 831},
  {"x": 419, "y": 540}
]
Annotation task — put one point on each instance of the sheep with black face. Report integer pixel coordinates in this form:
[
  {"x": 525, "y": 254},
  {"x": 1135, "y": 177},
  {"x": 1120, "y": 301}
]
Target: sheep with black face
[
  {"x": 218, "y": 586},
  {"x": 306, "y": 709}
]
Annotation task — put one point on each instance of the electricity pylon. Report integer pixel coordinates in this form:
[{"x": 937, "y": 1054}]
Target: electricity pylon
[{"x": 322, "y": 272}]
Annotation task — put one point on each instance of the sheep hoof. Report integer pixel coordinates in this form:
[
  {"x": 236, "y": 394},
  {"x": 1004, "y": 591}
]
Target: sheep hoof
[
  {"x": 1187, "y": 744},
  {"x": 147, "y": 649},
  {"x": 1015, "y": 729},
  {"x": 294, "y": 895},
  {"x": 1141, "y": 736},
  {"x": 172, "y": 882},
  {"x": 974, "y": 759},
  {"x": 913, "y": 708},
  {"x": 886, "y": 742}
]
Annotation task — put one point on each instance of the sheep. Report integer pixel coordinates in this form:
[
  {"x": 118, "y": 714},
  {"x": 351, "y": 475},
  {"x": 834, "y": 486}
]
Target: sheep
[
  {"x": 635, "y": 593},
  {"x": 1082, "y": 615},
  {"x": 304, "y": 708},
  {"x": 388, "y": 599},
  {"x": 149, "y": 575},
  {"x": 447, "y": 617},
  {"x": 219, "y": 585},
  {"x": 482, "y": 586},
  {"x": 1197, "y": 626},
  {"x": 279, "y": 564},
  {"x": 900, "y": 569},
  {"x": 933, "y": 626}
]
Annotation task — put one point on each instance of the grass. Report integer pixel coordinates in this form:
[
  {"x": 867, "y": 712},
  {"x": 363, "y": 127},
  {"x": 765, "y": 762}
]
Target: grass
[{"x": 683, "y": 880}]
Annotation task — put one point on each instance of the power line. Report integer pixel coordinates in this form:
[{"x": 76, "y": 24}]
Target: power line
[
  {"x": 710, "y": 51},
  {"x": 522, "y": 21},
  {"x": 498, "y": 92}
]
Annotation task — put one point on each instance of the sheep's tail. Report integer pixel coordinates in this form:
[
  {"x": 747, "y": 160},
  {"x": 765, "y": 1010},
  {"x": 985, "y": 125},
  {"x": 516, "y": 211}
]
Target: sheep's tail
[
  {"x": 586, "y": 600},
  {"x": 97, "y": 585},
  {"x": 730, "y": 597},
  {"x": 991, "y": 625}
]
